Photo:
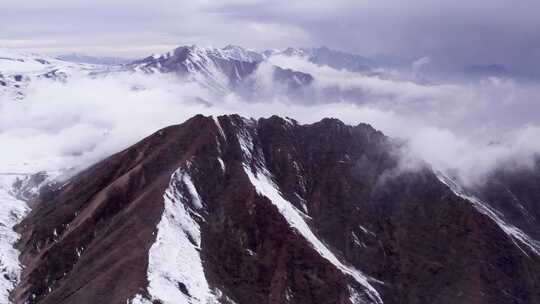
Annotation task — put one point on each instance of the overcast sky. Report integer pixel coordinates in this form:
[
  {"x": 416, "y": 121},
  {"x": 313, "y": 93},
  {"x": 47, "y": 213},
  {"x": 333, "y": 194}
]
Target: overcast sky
[{"x": 505, "y": 32}]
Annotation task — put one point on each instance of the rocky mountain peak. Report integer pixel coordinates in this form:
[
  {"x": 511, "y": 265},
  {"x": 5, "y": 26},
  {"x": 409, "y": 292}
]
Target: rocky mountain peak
[{"x": 234, "y": 210}]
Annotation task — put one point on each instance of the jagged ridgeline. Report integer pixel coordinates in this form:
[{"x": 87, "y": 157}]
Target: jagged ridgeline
[
  {"x": 232, "y": 210},
  {"x": 219, "y": 70}
]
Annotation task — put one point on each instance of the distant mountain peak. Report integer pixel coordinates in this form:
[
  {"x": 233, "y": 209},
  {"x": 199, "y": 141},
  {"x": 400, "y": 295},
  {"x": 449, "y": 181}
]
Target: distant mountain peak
[{"x": 219, "y": 69}]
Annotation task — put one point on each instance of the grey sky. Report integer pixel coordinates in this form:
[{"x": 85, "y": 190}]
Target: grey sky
[{"x": 450, "y": 32}]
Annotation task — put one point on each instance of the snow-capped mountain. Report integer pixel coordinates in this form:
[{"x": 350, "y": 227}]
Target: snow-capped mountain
[
  {"x": 19, "y": 69},
  {"x": 220, "y": 70},
  {"x": 328, "y": 57},
  {"x": 217, "y": 69},
  {"x": 233, "y": 210}
]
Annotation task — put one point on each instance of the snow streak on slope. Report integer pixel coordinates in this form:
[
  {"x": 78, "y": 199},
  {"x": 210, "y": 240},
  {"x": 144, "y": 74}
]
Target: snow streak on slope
[
  {"x": 516, "y": 235},
  {"x": 12, "y": 211},
  {"x": 218, "y": 70},
  {"x": 262, "y": 181},
  {"x": 204, "y": 70},
  {"x": 234, "y": 52},
  {"x": 218, "y": 125},
  {"x": 175, "y": 270}
]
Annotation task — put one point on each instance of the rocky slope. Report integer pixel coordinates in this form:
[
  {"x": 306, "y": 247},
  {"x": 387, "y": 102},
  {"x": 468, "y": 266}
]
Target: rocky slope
[{"x": 231, "y": 210}]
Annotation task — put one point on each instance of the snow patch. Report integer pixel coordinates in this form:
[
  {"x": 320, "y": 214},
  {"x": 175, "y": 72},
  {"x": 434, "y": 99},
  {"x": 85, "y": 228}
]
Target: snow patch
[
  {"x": 175, "y": 270},
  {"x": 195, "y": 198},
  {"x": 12, "y": 211},
  {"x": 288, "y": 294},
  {"x": 221, "y": 164},
  {"x": 357, "y": 241},
  {"x": 246, "y": 143},
  {"x": 20, "y": 69},
  {"x": 355, "y": 297},
  {"x": 365, "y": 230},
  {"x": 303, "y": 204},
  {"x": 220, "y": 129},
  {"x": 138, "y": 299},
  {"x": 79, "y": 251}
]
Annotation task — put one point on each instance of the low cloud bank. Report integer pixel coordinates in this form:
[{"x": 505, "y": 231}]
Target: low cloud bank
[{"x": 466, "y": 129}]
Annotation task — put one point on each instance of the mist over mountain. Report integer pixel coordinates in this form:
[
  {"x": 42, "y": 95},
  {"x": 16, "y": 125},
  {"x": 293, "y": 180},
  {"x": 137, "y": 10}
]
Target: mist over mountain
[
  {"x": 81, "y": 58},
  {"x": 293, "y": 82}
]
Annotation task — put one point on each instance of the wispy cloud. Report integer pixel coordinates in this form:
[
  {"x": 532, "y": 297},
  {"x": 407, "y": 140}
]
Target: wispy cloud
[{"x": 468, "y": 129}]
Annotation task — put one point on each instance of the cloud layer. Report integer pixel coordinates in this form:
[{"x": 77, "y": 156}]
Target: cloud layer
[{"x": 467, "y": 129}]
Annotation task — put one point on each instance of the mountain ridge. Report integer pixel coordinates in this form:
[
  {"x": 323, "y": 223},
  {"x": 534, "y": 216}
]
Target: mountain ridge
[{"x": 267, "y": 210}]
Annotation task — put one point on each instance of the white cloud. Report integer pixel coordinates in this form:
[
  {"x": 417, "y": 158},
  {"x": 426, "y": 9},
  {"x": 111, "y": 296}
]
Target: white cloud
[{"x": 468, "y": 129}]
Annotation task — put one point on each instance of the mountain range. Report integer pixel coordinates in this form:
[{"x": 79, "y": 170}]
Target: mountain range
[
  {"x": 229, "y": 209},
  {"x": 221, "y": 70}
]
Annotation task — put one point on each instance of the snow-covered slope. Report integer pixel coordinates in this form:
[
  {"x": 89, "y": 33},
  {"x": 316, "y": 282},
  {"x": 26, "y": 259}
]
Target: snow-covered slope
[
  {"x": 325, "y": 56},
  {"x": 221, "y": 70},
  {"x": 12, "y": 211},
  {"x": 175, "y": 270},
  {"x": 214, "y": 68},
  {"x": 19, "y": 69},
  {"x": 239, "y": 53}
]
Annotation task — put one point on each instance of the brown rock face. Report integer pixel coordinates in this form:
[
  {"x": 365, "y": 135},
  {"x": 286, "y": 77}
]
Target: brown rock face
[{"x": 336, "y": 207}]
